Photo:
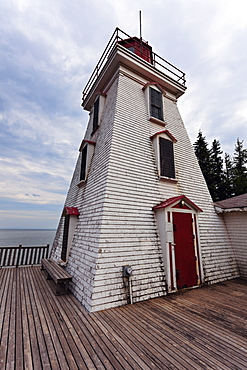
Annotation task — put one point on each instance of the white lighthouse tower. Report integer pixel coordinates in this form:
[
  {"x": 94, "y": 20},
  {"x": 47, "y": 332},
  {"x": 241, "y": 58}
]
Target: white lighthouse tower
[{"x": 138, "y": 221}]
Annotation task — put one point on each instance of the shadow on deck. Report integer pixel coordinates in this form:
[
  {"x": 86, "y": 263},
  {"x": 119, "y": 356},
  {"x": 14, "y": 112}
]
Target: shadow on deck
[{"x": 200, "y": 329}]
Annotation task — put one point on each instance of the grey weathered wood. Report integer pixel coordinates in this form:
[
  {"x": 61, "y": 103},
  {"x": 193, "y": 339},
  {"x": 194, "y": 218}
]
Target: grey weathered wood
[
  {"x": 60, "y": 277},
  {"x": 198, "y": 329}
]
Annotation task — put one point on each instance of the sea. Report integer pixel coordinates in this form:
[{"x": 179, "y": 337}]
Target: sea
[{"x": 26, "y": 237}]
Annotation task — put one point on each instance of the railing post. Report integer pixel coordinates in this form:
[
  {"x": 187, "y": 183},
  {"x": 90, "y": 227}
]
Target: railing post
[
  {"x": 47, "y": 251},
  {"x": 184, "y": 79},
  {"x": 1, "y": 252},
  {"x": 153, "y": 56},
  {"x": 18, "y": 255}
]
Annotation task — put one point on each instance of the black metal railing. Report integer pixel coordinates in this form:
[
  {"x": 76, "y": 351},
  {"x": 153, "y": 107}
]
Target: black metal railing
[
  {"x": 22, "y": 256},
  {"x": 155, "y": 60}
]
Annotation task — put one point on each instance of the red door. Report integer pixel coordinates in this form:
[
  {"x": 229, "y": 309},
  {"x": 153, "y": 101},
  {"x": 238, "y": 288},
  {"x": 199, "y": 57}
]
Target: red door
[{"x": 185, "y": 258}]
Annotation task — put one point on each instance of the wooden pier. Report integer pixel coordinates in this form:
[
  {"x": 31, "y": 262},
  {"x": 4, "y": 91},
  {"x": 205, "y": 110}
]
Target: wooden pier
[{"x": 204, "y": 328}]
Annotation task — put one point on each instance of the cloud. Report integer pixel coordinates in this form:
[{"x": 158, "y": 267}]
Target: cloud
[
  {"x": 48, "y": 50},
  {"x": 32, "y": 195}
]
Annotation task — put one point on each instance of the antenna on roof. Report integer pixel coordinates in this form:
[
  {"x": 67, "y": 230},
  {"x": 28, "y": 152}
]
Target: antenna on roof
[{"x": 140, "y": 16}]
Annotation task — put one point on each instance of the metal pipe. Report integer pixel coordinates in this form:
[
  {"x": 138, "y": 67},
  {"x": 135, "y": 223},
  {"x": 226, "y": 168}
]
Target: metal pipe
[
  {"x": 130, "y": 291},
  {"x": 140, "y": 16}
]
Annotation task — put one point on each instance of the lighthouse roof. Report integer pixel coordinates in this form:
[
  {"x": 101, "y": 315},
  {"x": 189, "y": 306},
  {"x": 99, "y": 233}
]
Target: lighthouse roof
[{"x": 137, "y": 55}]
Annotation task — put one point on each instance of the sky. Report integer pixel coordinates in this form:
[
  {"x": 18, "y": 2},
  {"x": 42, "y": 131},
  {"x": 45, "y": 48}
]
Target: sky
[{"x": 48, "y": 50}]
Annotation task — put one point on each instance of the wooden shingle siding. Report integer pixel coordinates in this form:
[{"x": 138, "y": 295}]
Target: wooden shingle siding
[
  {"x": 130, "y": 189},
  {"x": 217, "y": 254},
  {"x": 90, "y": 201},
  {"x": 235, "y": 222}
]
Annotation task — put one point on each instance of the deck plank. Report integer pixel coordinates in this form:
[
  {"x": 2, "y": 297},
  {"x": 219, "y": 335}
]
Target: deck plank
[
  {"x": 143, "y": 346},
  {"x": 61, "y": 347},
  {"x": 168, "y": 340},
  {"x": 44, "y": 321},
  {"x": 12, "y": 327},
  {"x": 5, "y": 320},
  {"x": 191, "y": 340},
  {"x": 211, "y": 339},
  {"x": 5, "y": 284},
  {"x": 40, "y": 344},
  {"x": 211, "y": 335},
  {"x": 27, "y": 352},
  {"x": 77, "y": 352},
  {"x": 126, "y": 344},
  {"x": 91, "y": 342},
  {"x": 219, "y": 316},
  {"x": 129, "y": 329},
  {"x": 19, "y": 359},
  {"x": 102, "y": 339},
  {"x": 30, "y": 307},
  {"x": 199, "y": 329}
]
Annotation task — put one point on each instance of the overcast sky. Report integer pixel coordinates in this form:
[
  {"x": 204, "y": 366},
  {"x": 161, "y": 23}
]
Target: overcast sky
[{"x": 48, "y": 49}]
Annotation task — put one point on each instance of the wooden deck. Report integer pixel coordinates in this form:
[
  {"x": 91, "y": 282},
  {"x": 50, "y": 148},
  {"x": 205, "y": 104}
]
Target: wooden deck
[{"x": 200, "y": 329}]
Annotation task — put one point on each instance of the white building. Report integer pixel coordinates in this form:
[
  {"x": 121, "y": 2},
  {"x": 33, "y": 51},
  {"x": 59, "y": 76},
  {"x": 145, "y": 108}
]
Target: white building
[
  {"x": 234, "y": 213},
  {"x": 137, "y": 196}
]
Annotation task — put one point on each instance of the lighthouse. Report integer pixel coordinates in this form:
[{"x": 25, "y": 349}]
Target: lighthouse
[{"x": 138, "y": 220}]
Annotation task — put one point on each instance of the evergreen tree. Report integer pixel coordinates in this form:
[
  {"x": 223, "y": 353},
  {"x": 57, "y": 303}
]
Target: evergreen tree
[
  {"x": 240, "y": 169},
  {"x": 229, "y": 176},
  {"x": 204, "y": 159},
  {"x": 222, "y": 184},
  {"x": 217, "y": 172}
]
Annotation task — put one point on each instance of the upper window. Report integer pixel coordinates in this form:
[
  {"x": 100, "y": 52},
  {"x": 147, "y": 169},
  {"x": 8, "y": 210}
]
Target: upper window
[
  {"x": 86, "y": 149},
  {"x": 154, "y": 95},
  {"x": 83, "y": 163},
  {"x": 70, "y": 219},
  {"x": 65, "y": 238},
  {"x": 167, "y": 167},
  {"x": 163, "y": 142},
  {"x": 96, "y": 114},
  {"x": 98, "y": 110},
  {"x": 131, "y": 48},
  {"x": 156, "y": 104}
]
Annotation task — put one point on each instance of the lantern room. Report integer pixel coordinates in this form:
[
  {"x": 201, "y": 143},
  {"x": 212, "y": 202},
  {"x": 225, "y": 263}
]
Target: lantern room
[{"x": 138, "y": 47}]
